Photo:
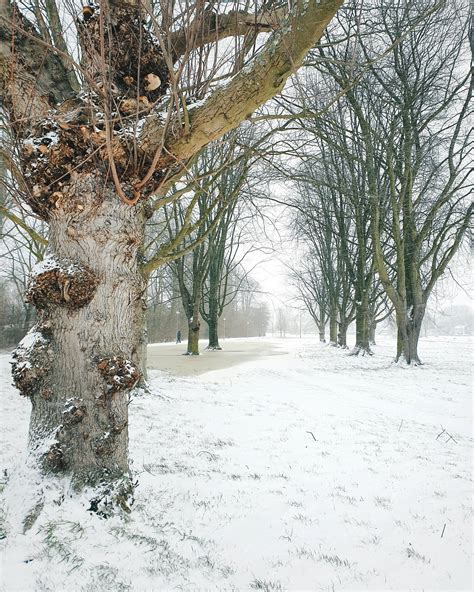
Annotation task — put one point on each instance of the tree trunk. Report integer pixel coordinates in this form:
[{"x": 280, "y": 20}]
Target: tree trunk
[
  {"x": 408, "y": 333},
  {"x": 342, "y": 335},
  {"x": 82, "y": 359},
  {"x": 362, "y": 345},
  {"x": 194, "y": 327},
  {"x": 372, "y": 329},
  {"x": 333, "y": 327},
  {"x": 213, "y": 317},
  {"x": 322, "y": 326},
  {"x": 213, "y": 335}
]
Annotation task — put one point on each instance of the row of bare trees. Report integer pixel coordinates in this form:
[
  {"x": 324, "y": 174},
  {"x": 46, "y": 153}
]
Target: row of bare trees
[
  {"x": 382, "y": 196},
  {"x": 214, "y": 250},
  {"x": 244, "y": 314}
]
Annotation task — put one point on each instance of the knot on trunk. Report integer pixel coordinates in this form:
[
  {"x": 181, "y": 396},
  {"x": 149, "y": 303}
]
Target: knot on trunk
[
  {"x": 54, "y": 460},
  {"x": 139, "y": 68},
  {"x": 31, "y": 362},
  {"x": 74, "y": 134},
  {"x": 73, "y": 138},
  {"x": 65, "y": 284},
  {"x": 119, "y": 374},
  {"x": 77, "y": 134},
  {"x": 74, "y": 412},
  {"x": 62, "y": 139}
]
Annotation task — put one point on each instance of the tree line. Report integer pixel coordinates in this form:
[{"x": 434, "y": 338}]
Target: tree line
[{"x": 382, "y": 192}]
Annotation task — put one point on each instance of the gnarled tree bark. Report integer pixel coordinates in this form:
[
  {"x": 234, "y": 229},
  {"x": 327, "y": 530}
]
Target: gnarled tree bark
[
  {"x": 89, "y": 176},
  {"x": 90, "y": 303}
]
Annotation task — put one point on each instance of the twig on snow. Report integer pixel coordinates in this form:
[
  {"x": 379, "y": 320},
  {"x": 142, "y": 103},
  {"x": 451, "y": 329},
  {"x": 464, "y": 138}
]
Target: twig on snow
[
  {"x": 450, "y": 436},
  {"x": 313, "y": 436}
]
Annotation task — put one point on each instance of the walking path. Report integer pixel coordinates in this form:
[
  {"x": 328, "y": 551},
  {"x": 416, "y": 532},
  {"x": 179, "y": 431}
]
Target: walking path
[{"x": 169, "y": 357}]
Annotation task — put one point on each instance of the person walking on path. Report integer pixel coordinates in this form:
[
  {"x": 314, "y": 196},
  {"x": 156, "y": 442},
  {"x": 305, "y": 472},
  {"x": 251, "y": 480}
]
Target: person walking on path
[{"x": 178, "y": 336}]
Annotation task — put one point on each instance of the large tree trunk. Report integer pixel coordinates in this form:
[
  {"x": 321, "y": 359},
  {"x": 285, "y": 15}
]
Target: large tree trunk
[
  {"x": 80, "y": 362},
  {"x": 408, "y": 334},
  {"x": 194, "y": 327},
  {"x": 362, "y": 345}
]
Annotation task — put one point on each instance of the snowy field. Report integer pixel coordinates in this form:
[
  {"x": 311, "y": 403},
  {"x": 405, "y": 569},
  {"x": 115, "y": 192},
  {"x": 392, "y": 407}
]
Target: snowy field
[{"x": 310, "y": 470}]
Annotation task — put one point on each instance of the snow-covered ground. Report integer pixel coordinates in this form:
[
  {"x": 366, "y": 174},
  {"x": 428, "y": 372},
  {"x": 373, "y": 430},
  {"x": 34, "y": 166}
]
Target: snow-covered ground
[{"x": 310, "y": 470}]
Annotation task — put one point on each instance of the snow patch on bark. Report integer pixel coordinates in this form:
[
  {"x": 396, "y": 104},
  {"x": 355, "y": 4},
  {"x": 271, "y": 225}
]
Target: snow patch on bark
[
  {"x": 32, "y": 339},
  {"x": 50, "y": 263}
]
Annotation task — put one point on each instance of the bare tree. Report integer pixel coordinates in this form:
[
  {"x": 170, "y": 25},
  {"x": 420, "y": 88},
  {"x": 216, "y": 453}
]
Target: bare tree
[
  {"x": 335, "y": 171},
  {"x": 312, "y": 292},
  {"x": 222, "y": 169},
  {"x": 412, "y": 110},
  {"x": 401, "y": 72},
  {"x": 95, "y": 164},
  {"x": 190, "y": 270},
  {"x": 316, "y": 223},
  {"x": 237, "y": 184}
]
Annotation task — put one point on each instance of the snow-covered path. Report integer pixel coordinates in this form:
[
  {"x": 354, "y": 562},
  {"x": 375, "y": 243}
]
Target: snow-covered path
[{"x": 306, "y": 471}]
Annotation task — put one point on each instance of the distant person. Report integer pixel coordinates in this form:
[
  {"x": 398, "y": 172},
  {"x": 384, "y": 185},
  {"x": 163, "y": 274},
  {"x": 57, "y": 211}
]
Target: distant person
[{"x": 178, "y": 337}]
